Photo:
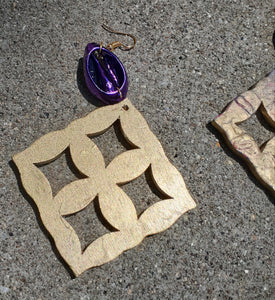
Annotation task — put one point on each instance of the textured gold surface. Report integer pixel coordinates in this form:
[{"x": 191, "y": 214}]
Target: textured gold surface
[
  {"x": 262, "y": 96},
  {"x": 116, "y": 207}
]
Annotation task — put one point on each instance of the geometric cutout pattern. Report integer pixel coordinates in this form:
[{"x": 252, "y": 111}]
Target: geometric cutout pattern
[
  {"x": 260, "y": 160},
  {"x": 104, "y": 184}
]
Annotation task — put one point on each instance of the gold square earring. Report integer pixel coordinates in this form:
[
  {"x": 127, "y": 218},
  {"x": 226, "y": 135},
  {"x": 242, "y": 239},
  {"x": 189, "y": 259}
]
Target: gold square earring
[{"x": 106, "y": 79}]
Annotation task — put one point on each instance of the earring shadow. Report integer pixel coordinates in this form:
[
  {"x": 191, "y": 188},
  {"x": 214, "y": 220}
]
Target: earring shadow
[
  {"x": 263, "y": 120},
  {"x": 121, "y": 138},
  {"x": 100, "y": 216}
]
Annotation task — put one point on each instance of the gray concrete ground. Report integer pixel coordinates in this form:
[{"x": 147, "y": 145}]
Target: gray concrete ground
[{"x": 191, "y": 59}]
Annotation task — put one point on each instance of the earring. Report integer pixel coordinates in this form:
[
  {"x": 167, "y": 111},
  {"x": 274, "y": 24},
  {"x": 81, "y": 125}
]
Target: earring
[
  {"x": 260, "y": 159},
  {"x": 106, "y": 79}
]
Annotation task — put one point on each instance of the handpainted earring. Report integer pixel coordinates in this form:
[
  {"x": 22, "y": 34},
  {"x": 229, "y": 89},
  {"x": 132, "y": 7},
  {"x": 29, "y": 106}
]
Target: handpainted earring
[
  {"x": 260, "y": 159},
  {"x": 106, "y": 79}
]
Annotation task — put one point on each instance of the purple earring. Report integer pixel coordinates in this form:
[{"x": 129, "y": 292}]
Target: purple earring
[{"x": 105, "y": 75}]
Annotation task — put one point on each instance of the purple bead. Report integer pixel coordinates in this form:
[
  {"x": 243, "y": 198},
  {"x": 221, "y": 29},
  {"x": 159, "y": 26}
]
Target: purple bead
[{"x": 105, "y": 75}]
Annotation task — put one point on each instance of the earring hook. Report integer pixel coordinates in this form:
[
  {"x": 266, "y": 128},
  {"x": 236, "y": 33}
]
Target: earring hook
[{"x": 117, "y": 44}]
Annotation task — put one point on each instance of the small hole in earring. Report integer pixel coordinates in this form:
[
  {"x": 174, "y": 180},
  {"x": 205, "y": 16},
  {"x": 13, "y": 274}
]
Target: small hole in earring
[{"x": 125, "y": 107}]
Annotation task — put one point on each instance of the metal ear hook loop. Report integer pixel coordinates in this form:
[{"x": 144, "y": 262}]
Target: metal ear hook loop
[{"x": 118, "y": 44}]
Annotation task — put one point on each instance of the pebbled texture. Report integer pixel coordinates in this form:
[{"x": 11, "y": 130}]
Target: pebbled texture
[{"x": 191, "y": 59}]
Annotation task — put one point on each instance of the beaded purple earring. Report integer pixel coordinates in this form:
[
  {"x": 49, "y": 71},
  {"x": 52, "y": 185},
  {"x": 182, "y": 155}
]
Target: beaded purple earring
[{"x": 107, "y": 80}]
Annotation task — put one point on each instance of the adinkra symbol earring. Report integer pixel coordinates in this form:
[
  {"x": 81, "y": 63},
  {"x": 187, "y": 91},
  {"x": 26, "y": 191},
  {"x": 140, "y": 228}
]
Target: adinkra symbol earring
[{"x": 106, "y": 79}]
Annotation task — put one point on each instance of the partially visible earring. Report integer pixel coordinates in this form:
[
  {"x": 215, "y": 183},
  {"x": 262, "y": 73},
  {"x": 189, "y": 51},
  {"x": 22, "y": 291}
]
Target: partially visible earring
[
  {"x": 106, "y": 79},
  {"x": 260, "y": 158}
]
